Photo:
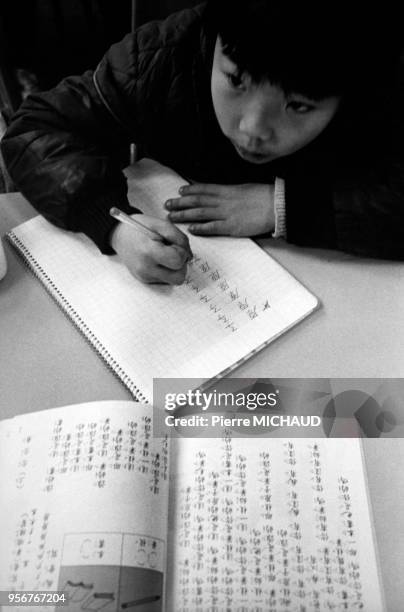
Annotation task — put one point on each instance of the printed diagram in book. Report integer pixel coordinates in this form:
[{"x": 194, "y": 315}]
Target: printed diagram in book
[{"x": 112, "y": 572}]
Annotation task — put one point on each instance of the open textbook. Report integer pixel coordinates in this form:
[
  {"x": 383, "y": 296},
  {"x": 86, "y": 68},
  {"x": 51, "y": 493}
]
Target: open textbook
[
  {"x": 93, "y": 505},
  {"x": 235, "y": 299}
]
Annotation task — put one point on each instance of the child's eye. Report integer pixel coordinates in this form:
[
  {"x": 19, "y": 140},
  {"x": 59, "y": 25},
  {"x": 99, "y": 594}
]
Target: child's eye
[
  {"x": 235, "y": 79},
  {"x": 300, "y": 107}
]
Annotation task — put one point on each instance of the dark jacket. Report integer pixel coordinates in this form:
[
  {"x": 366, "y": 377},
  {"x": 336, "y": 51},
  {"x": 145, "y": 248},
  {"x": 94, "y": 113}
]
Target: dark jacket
[{"x": 66, "y": 148}]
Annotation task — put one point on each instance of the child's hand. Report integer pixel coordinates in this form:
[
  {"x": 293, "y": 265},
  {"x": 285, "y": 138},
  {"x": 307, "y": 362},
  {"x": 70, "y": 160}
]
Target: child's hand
[
  {"x": 235, "y": 210},
  {"x": 150, "y": 259}
]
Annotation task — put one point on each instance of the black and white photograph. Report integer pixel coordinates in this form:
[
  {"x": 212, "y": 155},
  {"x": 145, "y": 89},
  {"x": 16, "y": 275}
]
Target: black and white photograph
[{"x": 201, "y": 306}]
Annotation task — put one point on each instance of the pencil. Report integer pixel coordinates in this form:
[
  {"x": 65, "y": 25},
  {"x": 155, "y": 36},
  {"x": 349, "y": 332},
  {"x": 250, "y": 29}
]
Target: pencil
[{"x": 119, "y": 215}]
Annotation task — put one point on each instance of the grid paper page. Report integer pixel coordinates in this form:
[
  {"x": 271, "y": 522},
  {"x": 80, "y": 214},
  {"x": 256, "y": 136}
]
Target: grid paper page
[{"x": 234, "y": 301}]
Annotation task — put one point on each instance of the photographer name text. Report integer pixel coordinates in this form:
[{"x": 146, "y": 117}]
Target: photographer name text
[{"x": 214, "y": 420}]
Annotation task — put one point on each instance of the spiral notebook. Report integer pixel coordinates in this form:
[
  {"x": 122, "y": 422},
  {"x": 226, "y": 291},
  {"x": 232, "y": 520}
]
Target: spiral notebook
[{"x": 235, "y": 300}]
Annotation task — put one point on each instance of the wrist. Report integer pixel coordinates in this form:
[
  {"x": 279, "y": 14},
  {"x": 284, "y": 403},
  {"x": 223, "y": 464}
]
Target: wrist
[
  {"x": 270, "y": 225},
  {"x": 279, "y": 208}
]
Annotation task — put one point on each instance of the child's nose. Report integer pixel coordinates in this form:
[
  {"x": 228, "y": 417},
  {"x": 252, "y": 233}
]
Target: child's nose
[{"x": 258, "y": 125}]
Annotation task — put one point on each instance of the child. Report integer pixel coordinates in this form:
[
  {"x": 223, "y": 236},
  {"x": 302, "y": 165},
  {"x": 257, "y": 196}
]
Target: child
[{"x": 288, "y": 119}]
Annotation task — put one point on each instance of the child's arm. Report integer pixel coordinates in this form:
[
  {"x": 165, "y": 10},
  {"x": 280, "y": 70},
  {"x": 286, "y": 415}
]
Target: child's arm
[
  {"x": 363, "y": 216},
  {"x": 66, "y": 148},
  {"x": 65, "y": 151}
]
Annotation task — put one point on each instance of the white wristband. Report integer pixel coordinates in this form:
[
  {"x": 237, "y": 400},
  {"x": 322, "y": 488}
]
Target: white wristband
[{"x": 279, "y": 209}]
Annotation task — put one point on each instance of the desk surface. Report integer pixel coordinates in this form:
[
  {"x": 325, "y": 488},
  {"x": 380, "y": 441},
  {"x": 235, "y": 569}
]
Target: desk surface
[{"x": 357, "y": 333}]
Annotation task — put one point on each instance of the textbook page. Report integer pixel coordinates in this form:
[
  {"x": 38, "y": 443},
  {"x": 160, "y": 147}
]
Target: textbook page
[
  {"x": 83, "y": 506},
  {"x": 270, "y": 525}
]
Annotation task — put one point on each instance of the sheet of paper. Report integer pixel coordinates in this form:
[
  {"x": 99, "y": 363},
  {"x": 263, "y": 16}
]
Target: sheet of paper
[
  {"x": 270, "y": 525},
  {"x": 234, "y": 301},
  {"x": 84, "y": 505}
]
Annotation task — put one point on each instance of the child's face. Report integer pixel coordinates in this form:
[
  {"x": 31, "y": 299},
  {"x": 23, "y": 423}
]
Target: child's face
[{"x": 260, "y": 120}]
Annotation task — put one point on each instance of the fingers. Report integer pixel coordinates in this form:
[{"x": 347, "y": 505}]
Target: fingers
[
  {"x": 191, "y": 201},
  {"x": 202, "y": 205},
  {"x": 173, "y": 235},
  {"x": 167, "y": 232},
  {"x": 194, "y": 208},
  {"x": 160, "y": 265},
  {"x": 195, "y": 214},
  {"x": 198, "y": 202},
  {"x": 169, "y": 263},
  {"x": 160, "y": 275},
  {"x": 203, "y": 189},
  {"x": 168, "y": 256},
  {"x": 170, "y": 277},
  {"x": 211, "y": 228}
]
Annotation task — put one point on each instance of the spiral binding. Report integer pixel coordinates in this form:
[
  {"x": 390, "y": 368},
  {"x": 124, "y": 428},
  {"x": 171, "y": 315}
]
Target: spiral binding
[{"x": 71, "y": 313}]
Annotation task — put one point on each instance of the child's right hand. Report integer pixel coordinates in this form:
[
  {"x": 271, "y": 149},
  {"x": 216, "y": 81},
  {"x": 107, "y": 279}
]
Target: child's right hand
[{"x": 160, "y": 259}]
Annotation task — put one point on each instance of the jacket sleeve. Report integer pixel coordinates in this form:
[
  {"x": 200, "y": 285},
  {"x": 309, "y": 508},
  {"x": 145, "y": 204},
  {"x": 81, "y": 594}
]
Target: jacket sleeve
[
  {"x": 364, "y": 216},
  {"x": 65, "y": 150},
  {"x": 354, "y": 201}
]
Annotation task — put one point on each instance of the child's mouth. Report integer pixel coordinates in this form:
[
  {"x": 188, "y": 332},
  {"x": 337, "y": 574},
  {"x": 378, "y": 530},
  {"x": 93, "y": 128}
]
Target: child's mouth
[{"x": 253, "y": 156}]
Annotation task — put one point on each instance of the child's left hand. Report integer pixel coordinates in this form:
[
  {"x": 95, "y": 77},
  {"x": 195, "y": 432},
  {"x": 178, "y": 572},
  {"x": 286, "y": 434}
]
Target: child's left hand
[{"x": 234, "y": 210}]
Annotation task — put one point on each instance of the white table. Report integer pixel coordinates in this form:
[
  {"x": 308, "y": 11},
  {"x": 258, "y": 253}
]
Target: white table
[{"x": 358, "y": 332}]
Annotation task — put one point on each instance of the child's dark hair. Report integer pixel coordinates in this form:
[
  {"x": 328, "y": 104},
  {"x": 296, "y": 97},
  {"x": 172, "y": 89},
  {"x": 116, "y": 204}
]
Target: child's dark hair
[{"x": 317, "y": 49}]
